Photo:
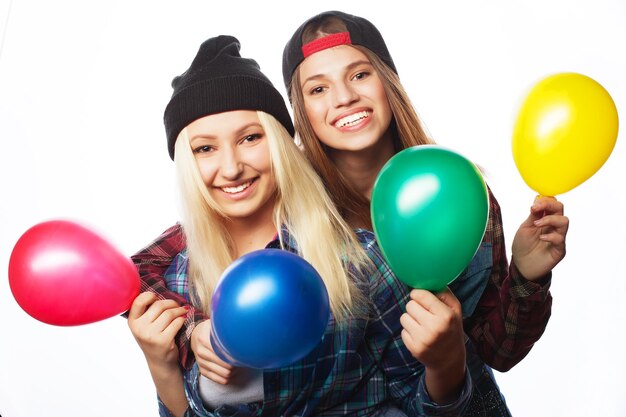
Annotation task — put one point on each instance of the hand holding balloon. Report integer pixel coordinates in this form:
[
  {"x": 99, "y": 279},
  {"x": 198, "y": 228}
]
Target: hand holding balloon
[
  {"x": 269, "y": 309},
  {"x": 154, "y": 323},
  {"x": 432, "y": 331},
  {"x": 64, "y": 274},
  {"x": 565, "y": 131},
  {"x": 539, "y": 244},
  {"x": 429, "y": 212},
  {"x": 209, "y": 364}
]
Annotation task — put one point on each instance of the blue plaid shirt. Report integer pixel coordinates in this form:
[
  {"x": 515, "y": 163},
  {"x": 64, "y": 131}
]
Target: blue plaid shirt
[{"x": 358, "y": 369}]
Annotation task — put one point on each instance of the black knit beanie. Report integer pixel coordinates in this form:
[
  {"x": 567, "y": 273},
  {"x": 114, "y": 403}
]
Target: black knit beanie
[
  {"x": 360, "y": 32},
  {"x": 220, "y": 80}
]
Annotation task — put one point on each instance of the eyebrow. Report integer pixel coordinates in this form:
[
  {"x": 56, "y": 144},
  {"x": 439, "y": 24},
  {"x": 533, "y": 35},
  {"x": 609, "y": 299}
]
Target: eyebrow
[
  {"x": 239, "y": 131},
  {"x": 346, "y": 68}
]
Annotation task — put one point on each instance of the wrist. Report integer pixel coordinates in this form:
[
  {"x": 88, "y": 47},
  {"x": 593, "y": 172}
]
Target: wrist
[
  {"x": 444, "y": 384},
  {"x": 522, "y": 274},
  {"x": 163, "y": 369}
]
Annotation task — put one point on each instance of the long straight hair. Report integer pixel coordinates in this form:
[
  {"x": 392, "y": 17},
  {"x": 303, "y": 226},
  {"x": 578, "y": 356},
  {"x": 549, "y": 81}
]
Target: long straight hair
[
  {"x": 302, "y": 205},
  {"x": 406, "y": 127}
]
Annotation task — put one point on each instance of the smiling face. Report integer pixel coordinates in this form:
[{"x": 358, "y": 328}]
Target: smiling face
[
  {"x": 233, "y": 157},
  {"x": 344, "y": 99}
]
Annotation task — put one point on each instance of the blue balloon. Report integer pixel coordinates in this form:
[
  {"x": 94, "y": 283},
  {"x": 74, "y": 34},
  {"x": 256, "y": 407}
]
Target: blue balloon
[{"x": 269, "y": 309}]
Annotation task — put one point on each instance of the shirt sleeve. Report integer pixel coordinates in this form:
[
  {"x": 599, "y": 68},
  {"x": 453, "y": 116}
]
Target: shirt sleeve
[
  {"x": 191, "y": 378},
  {"x": 453, "y": 409},
  {"x": 151, "y": 263},
  {"x": 192, "y": 391},
  {"x": 512, "y": 312},
  {"x": 405, "y": 375},
  {"x": 165, "y": 412}
]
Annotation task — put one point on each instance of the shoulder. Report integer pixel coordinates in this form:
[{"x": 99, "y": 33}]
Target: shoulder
[
  {"x": 167, "y": 244},
  {"x": 174, "y": 235},
  {"x": 494, "y": 222},
  {"x": 493, "y": 202}
]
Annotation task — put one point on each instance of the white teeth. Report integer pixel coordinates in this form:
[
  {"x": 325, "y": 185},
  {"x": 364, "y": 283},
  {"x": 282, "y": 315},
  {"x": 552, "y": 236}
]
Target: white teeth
[
  {"x": 352, "y": 119},
  {"x": 237, "y": 189}
]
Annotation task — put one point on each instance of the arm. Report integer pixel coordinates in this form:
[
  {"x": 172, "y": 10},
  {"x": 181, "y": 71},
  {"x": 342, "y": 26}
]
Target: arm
[
  {"x": 513, "y": 311},
  {"x": 152, "y": 262},
  {"x": 154, "y": 323},
  {"x": 433, "y": 333},
  {"x": 409, "y": 382}
]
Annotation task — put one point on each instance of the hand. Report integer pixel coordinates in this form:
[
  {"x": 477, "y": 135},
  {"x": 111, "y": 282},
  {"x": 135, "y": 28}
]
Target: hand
[
  {"x": 211, "y": 366},
  {"x": 433, "y": 333},
  {"x": 539, "y": 244},
  {"x": 433, "y": 328},
  {"x": 154, "y": 324}
]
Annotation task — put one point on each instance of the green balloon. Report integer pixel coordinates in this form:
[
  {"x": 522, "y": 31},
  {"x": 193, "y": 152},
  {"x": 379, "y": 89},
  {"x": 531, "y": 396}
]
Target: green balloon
[{"x": 429, "y": 211}]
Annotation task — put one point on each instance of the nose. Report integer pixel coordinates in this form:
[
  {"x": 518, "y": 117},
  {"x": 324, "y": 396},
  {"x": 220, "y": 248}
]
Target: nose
[
  {"x": 344, "y": 94},
  {"x": 231, "y": 165}
]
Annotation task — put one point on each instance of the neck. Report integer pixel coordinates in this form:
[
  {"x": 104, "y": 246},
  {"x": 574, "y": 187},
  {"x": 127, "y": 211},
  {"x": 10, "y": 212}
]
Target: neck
[
  {"x": 361, "y": 167},
  {"x": 253, "y": 232}
]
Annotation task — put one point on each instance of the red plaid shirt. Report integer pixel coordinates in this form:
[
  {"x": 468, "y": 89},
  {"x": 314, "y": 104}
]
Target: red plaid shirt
[{"x": 510, "y": 316}]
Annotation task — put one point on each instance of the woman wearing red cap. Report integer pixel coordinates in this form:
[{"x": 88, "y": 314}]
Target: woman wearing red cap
[{"x": 352, "y": 115}]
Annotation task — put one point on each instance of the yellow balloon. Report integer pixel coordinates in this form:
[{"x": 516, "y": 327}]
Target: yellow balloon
[{"x": 565, "y": 131}]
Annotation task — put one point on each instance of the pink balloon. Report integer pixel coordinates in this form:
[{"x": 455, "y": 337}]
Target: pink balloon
[{"x": 64, "y": 274}]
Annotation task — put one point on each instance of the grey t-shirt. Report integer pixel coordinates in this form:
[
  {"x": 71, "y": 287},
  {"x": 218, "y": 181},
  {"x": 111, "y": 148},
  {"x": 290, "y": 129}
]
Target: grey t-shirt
[{"x": 245, "y": 387}]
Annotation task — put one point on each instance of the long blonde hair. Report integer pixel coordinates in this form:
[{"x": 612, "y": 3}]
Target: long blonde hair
[
  {"x": 323, "y": 238},
  {"x": 406, "y": 127}
]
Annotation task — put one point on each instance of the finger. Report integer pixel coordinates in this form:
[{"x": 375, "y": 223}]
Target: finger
[
  {"x": 208, "y": 355},
  {"x": 555, "y": 238},
  {"x": 420, "y": 335},
  {"x": 167, "y": 316},
  {"x": 204, "y": 353},
  {"x": 421, "y": 296},
  {"x": 163, "y": 328},
  {"x": 409, "y": 324},
  {"x": 203, "y": 335},
  {"x": 216, "y": 378},
  {"x": 214, "y": 358},
  {"x": 158, "y": 308},
  {"x": 555, "y": 221},
  {"x": 172, "y": 328},
  {"x": 448, "y": 298},
  {"x": 547, "y": 205},
  {"x": 141, "y": 304},
  {"x": 408, "y": 341},
  {"x": 417, "y": 312},
  {"x": 428, "y": 301},
  {"x": 208, "y": 367},
  {"x": 443, "y": 312}
]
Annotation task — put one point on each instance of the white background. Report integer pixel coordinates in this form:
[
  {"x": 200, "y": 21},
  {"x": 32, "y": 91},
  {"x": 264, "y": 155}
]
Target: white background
[{"x": 83, "y": 86}]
